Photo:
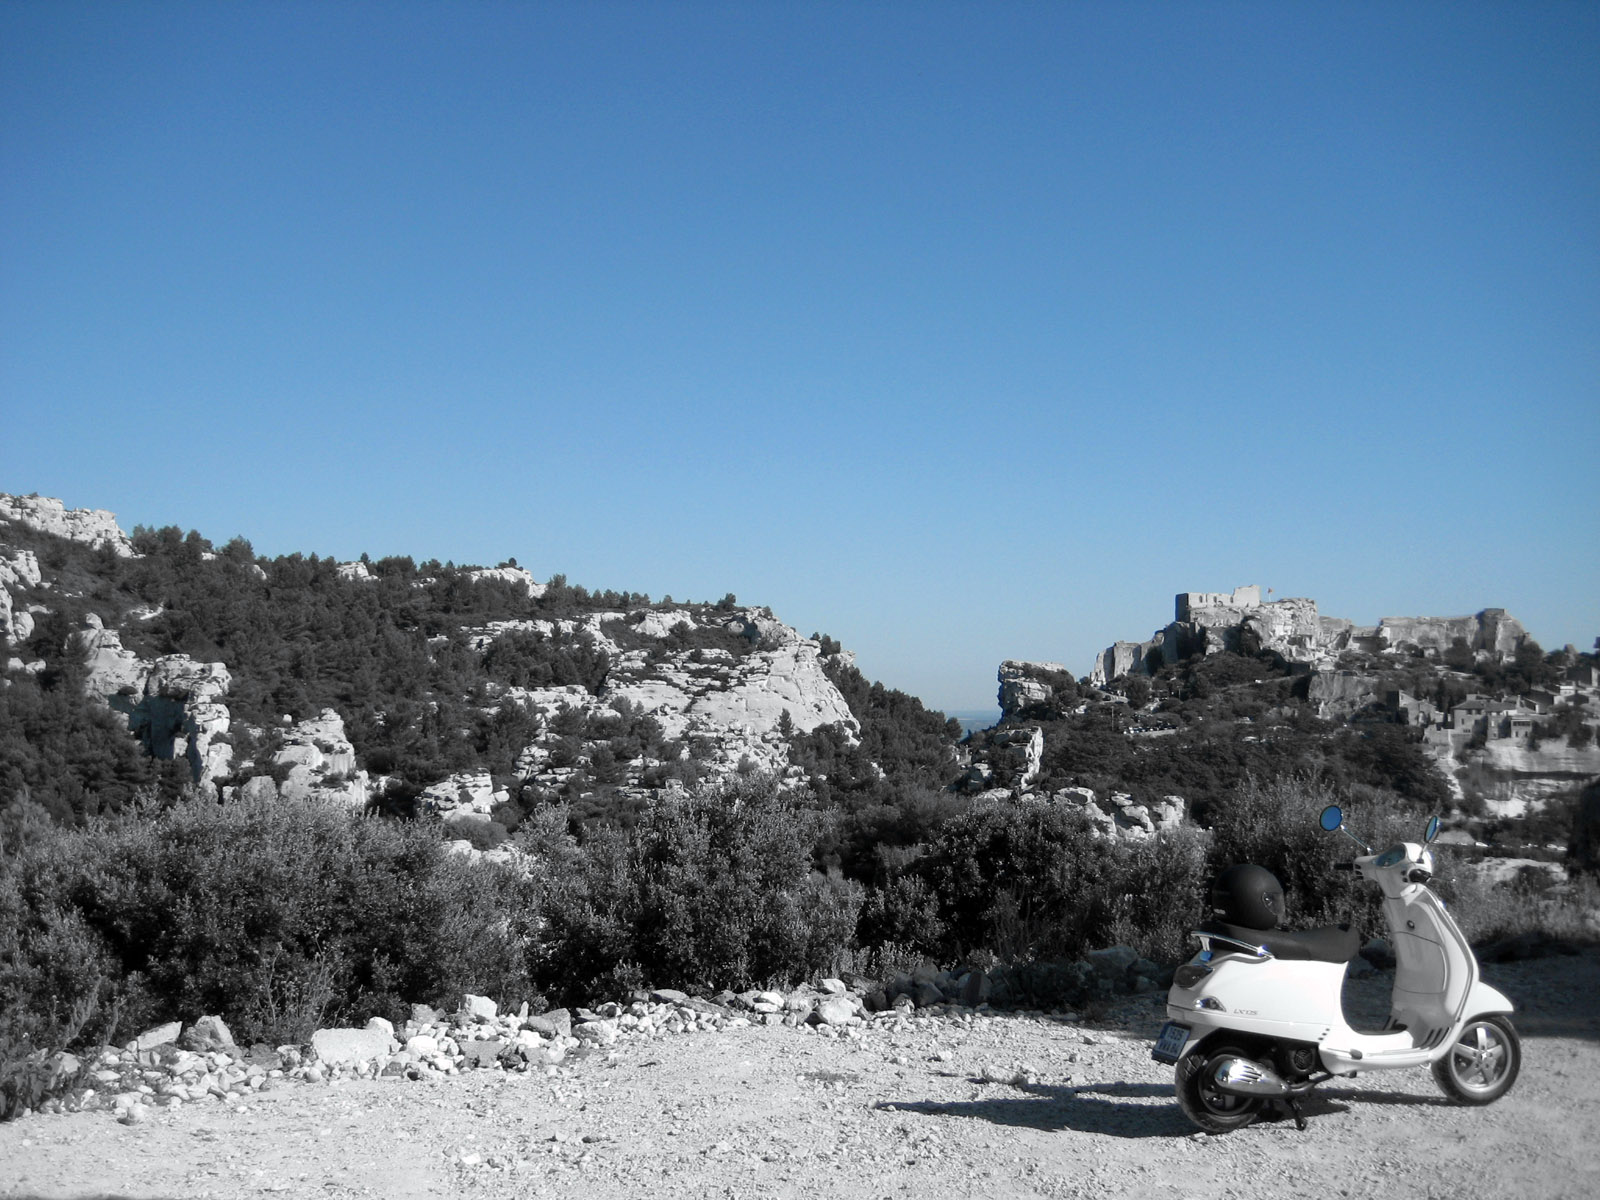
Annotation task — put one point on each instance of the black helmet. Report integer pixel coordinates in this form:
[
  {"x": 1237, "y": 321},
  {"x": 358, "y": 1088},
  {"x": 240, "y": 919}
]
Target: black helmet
[{"x": 1248, "y": 895}]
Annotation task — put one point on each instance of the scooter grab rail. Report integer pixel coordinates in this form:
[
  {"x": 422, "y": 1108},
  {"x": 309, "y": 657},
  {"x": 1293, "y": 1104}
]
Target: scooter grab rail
[{"x": 1207, "y": 938}]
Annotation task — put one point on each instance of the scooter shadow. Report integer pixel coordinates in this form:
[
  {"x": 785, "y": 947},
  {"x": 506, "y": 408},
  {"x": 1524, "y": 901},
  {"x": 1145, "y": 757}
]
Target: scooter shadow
[
  {"x": 1346, "y": 1097},
  {"x": 1111, "y": 1108},
  {"x": 1092, "y": 1108}
]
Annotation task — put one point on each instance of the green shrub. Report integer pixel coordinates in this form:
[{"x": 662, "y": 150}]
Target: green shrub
[
  {"x": 902, "y": 912},
  {"x": 1165, "y": 884},
  {"x": 1025, "y": 881},
  {"x": 278, "y": 915},
  {"x": 712, "y": 888}
]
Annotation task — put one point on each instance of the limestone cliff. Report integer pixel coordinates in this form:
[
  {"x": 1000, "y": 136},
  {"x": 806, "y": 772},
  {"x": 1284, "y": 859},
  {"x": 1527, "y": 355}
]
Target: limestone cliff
[
  {"x": 1514, "y": 779},
  {"x": 320, "y": 760},
  {"x": 731, "y": 702},
  {"x": 1492, "y": 631},
  {"x": 1118, "y": 816}
]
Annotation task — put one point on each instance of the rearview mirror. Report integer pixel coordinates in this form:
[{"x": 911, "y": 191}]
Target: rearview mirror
[
  {"x": 1432, "y": 830},
  {"x": 1333, "y": 817}
]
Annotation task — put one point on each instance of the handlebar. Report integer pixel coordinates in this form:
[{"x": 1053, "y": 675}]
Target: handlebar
[
  {"x": 1418, "y": 875},
  {"x": 1344, "y": 866}
]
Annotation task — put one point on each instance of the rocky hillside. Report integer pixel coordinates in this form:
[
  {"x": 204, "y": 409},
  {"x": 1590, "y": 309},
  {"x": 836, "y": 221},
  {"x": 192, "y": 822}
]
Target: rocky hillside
[
  {"x": 478, "y": 694},
  {"x": 468, "y": 692},
  {"x": 1460, "y": 713}
]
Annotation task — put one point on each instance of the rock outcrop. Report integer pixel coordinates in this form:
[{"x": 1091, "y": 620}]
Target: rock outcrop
[
  {"x": 321, "y": 762},
  {"x": 174, "y": 704},
  {"x": 730, "y": 699},
  {"x": 1339, "y": 694},
  {"x": 1514, "y": 779},
  {"x": 467, "y": 797},
  {"x": 515, "y": 576},
  {"x": 19, "y": 571},
  {"x": 357, "y": 572},
  {"x": 92, "y": 526},
  {"x": 1031, "y": 687},
  {"x": 1119, "y": 816}
]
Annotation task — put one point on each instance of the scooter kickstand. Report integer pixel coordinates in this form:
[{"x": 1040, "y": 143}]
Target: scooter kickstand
[{"x": 1299, "y": 1117}]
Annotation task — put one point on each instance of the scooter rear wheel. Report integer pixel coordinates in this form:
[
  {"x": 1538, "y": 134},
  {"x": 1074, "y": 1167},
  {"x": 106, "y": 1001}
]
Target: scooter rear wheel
[
  {"x": 1203, "y": 1102},
  {"x": 1482, "y": 1063}
]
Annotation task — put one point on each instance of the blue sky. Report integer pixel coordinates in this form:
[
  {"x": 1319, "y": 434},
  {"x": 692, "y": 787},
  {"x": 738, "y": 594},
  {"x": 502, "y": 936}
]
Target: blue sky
[{"x": 960, "y": 332}]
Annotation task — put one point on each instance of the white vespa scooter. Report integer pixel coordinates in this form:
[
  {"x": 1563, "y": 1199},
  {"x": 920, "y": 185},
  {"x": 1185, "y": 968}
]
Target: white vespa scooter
[{"x": 1255, "y": 1016}]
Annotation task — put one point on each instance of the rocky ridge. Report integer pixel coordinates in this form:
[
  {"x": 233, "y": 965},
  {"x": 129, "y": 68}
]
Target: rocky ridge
[
  {"x": 1240, "y": 621},
  {"x": 732, "y": 701}
]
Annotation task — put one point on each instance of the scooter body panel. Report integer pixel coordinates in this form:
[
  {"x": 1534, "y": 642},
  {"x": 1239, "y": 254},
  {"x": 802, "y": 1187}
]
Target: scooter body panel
[{"x": 1275, "y": 998}]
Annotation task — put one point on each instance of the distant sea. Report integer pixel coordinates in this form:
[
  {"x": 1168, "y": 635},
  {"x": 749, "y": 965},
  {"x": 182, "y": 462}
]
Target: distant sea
[{"x": 974, "y": 718}]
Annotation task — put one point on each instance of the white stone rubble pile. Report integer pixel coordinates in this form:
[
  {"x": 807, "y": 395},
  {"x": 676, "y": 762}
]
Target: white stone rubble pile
[{"x": 172, "y": 1065}]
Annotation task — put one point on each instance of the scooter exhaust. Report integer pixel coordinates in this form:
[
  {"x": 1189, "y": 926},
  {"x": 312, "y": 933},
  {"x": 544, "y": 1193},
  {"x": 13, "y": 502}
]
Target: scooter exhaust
[{"x": 1243, "y": 1077}]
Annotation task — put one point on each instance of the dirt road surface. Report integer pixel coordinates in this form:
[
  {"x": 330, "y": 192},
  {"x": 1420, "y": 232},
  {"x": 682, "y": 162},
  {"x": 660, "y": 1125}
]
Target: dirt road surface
[{"x": 954, "y": 1106}]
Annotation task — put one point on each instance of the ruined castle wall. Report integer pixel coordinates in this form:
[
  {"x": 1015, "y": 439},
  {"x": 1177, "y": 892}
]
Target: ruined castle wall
[{"x": 1186, "y": 604}]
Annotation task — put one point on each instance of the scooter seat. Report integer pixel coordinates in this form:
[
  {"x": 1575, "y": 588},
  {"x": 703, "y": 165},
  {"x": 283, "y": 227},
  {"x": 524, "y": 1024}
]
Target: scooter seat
[{"x": 1331, "y": 943}]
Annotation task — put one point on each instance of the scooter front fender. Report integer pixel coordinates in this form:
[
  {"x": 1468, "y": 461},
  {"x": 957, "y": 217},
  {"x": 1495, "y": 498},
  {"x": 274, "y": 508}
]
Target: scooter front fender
[{"x": 1485, "y": 999}]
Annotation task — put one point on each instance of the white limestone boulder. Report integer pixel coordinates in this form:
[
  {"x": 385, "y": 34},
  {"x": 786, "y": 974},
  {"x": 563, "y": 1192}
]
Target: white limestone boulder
[{"x": 321, "y": 761}]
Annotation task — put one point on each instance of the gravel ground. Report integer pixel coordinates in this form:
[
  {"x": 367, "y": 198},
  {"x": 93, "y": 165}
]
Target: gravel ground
[{"x": 957, "y": 1105}]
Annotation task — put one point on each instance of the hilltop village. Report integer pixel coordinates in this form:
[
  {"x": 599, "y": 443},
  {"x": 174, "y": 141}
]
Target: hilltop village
[{"x": 1506, "y": 726}]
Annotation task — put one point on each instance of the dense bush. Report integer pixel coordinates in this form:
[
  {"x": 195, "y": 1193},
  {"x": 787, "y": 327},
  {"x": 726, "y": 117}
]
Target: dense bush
[
  {"x": 712, "y": 888},
  {"x": 530, "y": 659},
  {"x": 1035, "y": 882},
  {"x": 280, "y": 916}
]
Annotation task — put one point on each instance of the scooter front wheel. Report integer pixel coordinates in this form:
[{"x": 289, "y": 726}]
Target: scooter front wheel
[
  {"x": 1203, "y": 1102},
  {"x": 1483, "y": 1061}
]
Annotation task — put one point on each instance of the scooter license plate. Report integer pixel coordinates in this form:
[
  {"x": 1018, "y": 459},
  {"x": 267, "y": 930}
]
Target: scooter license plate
[{"x": 1170, "y": 1044}]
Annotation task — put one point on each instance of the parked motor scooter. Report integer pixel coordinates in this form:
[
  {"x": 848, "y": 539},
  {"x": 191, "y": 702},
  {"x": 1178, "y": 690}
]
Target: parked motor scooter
[{"x": 1255, "y": 1016}]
